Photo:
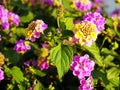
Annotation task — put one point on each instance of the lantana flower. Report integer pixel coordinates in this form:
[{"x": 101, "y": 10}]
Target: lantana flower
[
  {"x": 85, "y": 32},
  {"x": 86, "y": 84},
  {"x": 22, "y": 46},
  {"x": 82, "y": 5},
  {"x": 1, "y": 74},
  {"x": 96, "y": 18},
  {"x": 82, "y": 67},
  {"x": 34, "y": 30},
  {"x": 8, "y": 18}
]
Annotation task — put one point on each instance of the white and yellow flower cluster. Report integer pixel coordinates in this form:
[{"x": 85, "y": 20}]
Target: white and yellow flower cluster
[{"x": 85, "y": 32}]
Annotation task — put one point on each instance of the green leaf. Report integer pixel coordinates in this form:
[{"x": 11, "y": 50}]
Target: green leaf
[
  {"x": 66, "y": 4},
  {"x": 107, "y": 60},
  {"x": 94, "y": 50},
  {"x": 105, "y": 51},
  {"x": 8, "y": 72},
  {"x": 20, "y": 31},
  {"x": 61, "y": 56},
  {"x": 27, "y": 17},
  {"x": 39, "y": 86},
  {"x": 39, "y": 73},
  {"x": 67, "y": 23},
  {"x": 17, "y": 74},
  {"x": 113, "y": 76},
  {"x": 100, "y": 74},
  {"x": 21, "y": 87}
]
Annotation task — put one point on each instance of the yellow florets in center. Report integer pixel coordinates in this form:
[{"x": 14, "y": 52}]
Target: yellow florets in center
[{"x": 85, "y": 32}]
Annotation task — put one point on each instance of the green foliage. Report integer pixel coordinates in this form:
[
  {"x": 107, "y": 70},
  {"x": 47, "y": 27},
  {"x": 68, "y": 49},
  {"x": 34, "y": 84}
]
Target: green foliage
[
  {"x": 61, "y": 56},
  {"x": 17, "y": 74},
  {"x": 94, "y": 50},
  {"x": 58, "y": 43},
  {"x": 39, "y": 73},
  {"x": 27, "y": 17},
  {"x": 11, "y": 56},
  {"x": 67, "y": 23},
  {"x": 39, "y": 86}
]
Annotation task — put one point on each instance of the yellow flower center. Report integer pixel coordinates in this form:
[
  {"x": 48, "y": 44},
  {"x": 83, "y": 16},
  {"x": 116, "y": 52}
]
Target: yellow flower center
[{"x": 85, "y": 32}]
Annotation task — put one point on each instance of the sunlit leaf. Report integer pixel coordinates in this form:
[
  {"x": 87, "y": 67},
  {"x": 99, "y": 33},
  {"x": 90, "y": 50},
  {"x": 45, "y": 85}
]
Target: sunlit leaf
[
  {"x": 61, "y": 56},
  {"x": 17, "y": 74},
  {"x": 94, "y": 50}
]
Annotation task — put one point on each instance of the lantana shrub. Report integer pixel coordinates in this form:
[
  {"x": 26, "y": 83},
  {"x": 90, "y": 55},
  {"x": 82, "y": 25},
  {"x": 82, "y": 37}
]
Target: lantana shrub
[{"x": 59, "y": 45}]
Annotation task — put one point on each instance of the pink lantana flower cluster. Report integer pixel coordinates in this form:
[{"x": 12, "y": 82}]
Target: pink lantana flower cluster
[
  {"x": 1, "y": 74},
  {"x": 34, "y": 30},
  {"x": 22, "y": 46},
  {"x": 43, "y": 65},
  {"x": 7, "y": 18},
  {"x": 86, "y": 84},
  {"x": 82, "y": 5},
  {"x": 82, "y": 67},
  {"x": 95, "y": 18},
  {"x": 43, "y": 62}
]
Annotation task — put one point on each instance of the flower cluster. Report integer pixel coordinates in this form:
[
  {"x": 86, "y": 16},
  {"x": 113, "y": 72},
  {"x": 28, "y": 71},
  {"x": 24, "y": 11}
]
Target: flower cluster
[
  {"x": 43, "y": 65},
  {"x": 1, "y": 75},
  {"x": 43, "y": 62},
  {"x": 85, "y": 32},
  {"x": 7, "y": 18},
  {"x": 34, "y": 29},
  {"x": 2, "y": 59},
  {"x": 82, "y": 67},
  {"x": 95, "y": 18},
  {"x": 82, "y": 5},
  {"x": 86, "y": 84},
  {"x": 22, "y": 46},
  {"x": 50, "y": 2}
]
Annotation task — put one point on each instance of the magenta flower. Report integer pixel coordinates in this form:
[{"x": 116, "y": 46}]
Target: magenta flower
[
  {"x": 50, "y": 2},
  {"x": 13, "y": 18},
  {"x": 1, "y": 75},
  {"x": 7, "y": 19},
  {"x": 43, "y": 65},
  {"x": 82, "y": 66},
  {"x": 86, "y": 84},
  {"x": 95, "y": 18},
  {"x": 82, "y": 5},
  {"x": 22, "y": 46},
  {"x": 116, "y": 14},
  {"x": 27, "y": 63},
  {"x": 4, "y": 18}
]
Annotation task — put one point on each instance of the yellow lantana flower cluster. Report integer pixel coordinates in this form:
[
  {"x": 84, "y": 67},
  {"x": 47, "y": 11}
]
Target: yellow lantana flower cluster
[{"x": 85, "y": 32}]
